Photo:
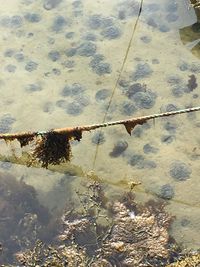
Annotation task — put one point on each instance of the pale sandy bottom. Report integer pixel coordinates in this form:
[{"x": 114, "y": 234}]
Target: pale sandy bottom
[{"x": 38, "y": 110}]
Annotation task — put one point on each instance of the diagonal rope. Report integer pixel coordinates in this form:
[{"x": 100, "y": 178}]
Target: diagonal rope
[{"x": 120, "y": 74}]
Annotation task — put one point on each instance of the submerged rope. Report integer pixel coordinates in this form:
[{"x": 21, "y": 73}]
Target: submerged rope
[{"x": 70, "y": 131}]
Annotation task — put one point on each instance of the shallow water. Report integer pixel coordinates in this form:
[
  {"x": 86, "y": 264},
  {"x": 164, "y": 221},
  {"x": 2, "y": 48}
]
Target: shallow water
[{"x": 60, "y": 61}]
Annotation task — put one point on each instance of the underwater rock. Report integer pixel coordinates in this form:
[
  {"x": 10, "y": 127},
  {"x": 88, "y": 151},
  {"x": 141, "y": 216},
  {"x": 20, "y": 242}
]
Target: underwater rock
[
  {"x": 98, "y": 138},
  {"x": 59, "y": 23},
  {"x": 87, "y": 49},
  {"x": 95, "y": 22},
  {"x": 54, "y": 55},
  {"x": 51, "y": 4},
  {"x": 128, "y": 108},
  {"x": 170, "y": 107},
  {"x": 171, "y": 6},
  {"x": 174, "y": 80},
  {"x": 170, "y": 127},
  {"x": 192, "y": 84},
  {"x": 171, "y": 17},
  {"x": 183, "y": 66},
  {"x": 9, "y": 53},
  {"x": 73, "y": 89},
  {"x": 90, "y": 37},
  {"x": 166, "y": 192},
  {"x": 144, "y": 100},
  {"x": 83, "y": 100},
  {"x": 136, "y": 160},
  {"x": 31, "y": 66},
  {"x": 110, "y": 33},
  {"x": 164, "y": 28},
  {"x": 69, "y": 35},
  {"x": 48, "y": 107},
  {"x": 178, "y": 90},
  {"x": 102, "y": 94},
  {"x": 180, "y": 171},
  {"x": 33, "y": 17},
  {"x": 135, "y": 88},
  {"x": 71, "y": 52},
  {"x": 10, "y": 68},
  {"x": 100, "y": 67},
  {"x": 6, "y": 122},
  {"x": 56, "y": 71},
  {"x": 34, "y": 87},
  {"x": 148, "y": 149},
  {"x": 19, "y": 56},
  {"x": 74, "y": 108},
  {"x": 123, "y": 83},
  {"x": 118, "y": 149},
  {"x": 62, "y": 104},
  {"x": 143, "y": 70},
  {"x": 168, "y": 139},
  {"x": 12, "y": 22},
  {"x": 146, "y": 39}
]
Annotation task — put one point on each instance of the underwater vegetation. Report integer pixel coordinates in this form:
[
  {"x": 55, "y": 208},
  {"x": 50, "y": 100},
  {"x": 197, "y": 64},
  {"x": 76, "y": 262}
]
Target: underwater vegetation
[
  {"x": 22, "y": 216},
  {"x": 107, "y": 233}
]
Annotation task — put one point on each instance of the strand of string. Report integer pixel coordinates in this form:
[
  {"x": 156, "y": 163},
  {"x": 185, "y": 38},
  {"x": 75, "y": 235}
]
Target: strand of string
[{"x": 120, "y": 74}]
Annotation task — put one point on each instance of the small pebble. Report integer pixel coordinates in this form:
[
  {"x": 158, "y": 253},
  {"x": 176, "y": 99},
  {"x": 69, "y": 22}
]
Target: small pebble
[
  {"x": 185, "y": 222},
  {"x": 69, "y": 35},
  {"x": 102, "y": 94},
  {"x": 118, "y": 148},
  {"x": 83, "y": 100},
  {"x": 16, "y": 21},
  {"x": 144, "y": 100},
  {"x": 90, "y": 37},
  {"x": 155, "y": 61},
  {"x": 135, "y": 88},
  {"x": 32, "y": 17},
  {"x": 123, "y": 83},
  {"x": 95, "y": 22},
  {"x": 143, "y": 70},
  {"x": 6, "y": 122},
  {"x": 70, "y": 52},
  {"x": 34, "y": 87},
  {"x": 6, "y": 165},
  {"x": 62, "y": 104},
  {"x": 151, "y": 22},
  {"x": 128, "y": 108},
  {"x": 174, "y": 80},
  {"x": 74, "y": 108},
  {"x": 56, "y": 71},
  {"x": 136, "y": 160},
  {"x": 170, "y": 127},
  {"x": 9, "y": 53},
  {"x": 180, "y": 171},
  {"x": 98, "y": 138},
  {"x": 54, "y": 55},
  {"x": 19, "y": 56},
  {"x": 171, "y": 107},
  {"x": 102, "y": 68},
  {"x": 146, "y": 39},
  {"x": 167, "y": 139},
  {"x": 10, "y": 68},
  {"x": 87, "y": 49},
  {"x": 51, "y": 4},
  {"x": 122, "y": 15},
  {"x": 69, "y": 64},
  {"x": 183, "y": 66},
  {"x": 31, "y": 66},
  {"x": 48, "y": 107},
  {"x": 59, "y": 23},
  {"x": 178, "y": 91},
  {"x": 71, "y": 90},
  {"x": 166, "y": 192},
  {"x": 112, "y": 32},
  {"x": 148, "y": 149}
]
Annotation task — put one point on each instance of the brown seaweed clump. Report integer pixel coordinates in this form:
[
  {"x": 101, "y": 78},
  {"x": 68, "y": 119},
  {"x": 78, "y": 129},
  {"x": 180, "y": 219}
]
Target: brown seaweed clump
[
  {"x": 192, "y": 260},
  {"x": 54, "y": 148},
  {"x": 130, "y": 235}
]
